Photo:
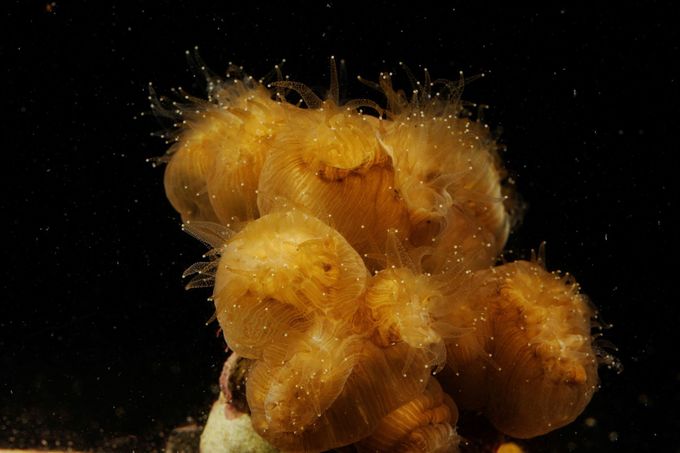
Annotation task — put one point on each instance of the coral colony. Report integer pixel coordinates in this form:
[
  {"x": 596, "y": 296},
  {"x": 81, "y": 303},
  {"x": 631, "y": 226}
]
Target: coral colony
[{"x": 355, "y": 269}]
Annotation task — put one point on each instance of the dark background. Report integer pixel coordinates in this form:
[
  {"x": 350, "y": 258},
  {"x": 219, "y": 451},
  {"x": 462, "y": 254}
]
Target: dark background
[{"x": 99, "y": 343}]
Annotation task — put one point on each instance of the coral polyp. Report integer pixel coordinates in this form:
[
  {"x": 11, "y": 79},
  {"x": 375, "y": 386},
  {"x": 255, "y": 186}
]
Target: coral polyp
[
  {"x": 532, "y": 328},
  {"x": 216, "y": 162},
  {"x": 356, "y": 269},
  {"x": 331, "y": 162}
]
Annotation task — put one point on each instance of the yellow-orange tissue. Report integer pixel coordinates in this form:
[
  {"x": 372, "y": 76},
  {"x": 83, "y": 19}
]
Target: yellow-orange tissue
[
  {"x": 354, "y": 263},
  {"x": 532, "y": 329}
]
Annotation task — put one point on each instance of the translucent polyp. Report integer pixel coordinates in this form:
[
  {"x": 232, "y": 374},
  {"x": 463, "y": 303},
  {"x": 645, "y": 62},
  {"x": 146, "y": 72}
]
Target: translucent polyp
[
  {"x": 528, "y": 359},
  {"x": 330, "y": 162},
  {"x": 214, "y": 168},
  {"x": 286, "y": 401},
  {"x": 449, "y": 175},
  {"x": 280, "y": 273},
  {"x": 426, "y": 423}
]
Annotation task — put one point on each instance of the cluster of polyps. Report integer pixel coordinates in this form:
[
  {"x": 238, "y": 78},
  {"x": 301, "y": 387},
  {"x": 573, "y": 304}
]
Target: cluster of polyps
[{"x": 353, "y": 260}]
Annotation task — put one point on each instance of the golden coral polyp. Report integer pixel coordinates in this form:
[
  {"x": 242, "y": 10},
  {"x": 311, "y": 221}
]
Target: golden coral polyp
[
  {"x": 354, "y": 259},
  {"x": 409, "y": 307},
  {"x": 449, "y": 174},
  {"x": 214, "y": 167},
  {"x": 527, "y": 361},
  {"x": 280, "y": 273},
  {"x": 423, "y": 424},
  {"x": 330, "y": 161}
]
